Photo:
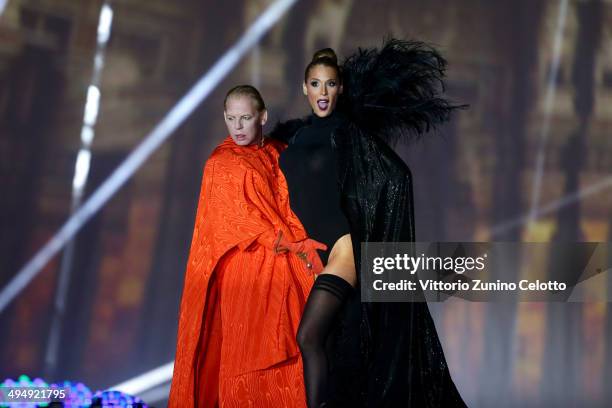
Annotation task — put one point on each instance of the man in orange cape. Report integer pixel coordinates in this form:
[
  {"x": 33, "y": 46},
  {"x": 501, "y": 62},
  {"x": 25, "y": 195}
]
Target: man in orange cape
[{"x": 242, "y": 299}]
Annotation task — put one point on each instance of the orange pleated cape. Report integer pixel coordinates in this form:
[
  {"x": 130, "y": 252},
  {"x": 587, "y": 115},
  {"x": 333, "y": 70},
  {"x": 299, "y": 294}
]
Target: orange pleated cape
[{"x": 241, "y": 302}]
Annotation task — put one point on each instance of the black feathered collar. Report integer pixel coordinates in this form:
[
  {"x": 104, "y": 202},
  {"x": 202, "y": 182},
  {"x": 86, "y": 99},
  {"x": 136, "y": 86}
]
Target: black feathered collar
[
  {"x": 284, "y": 131},
  {"x": 287, "y": 131}
]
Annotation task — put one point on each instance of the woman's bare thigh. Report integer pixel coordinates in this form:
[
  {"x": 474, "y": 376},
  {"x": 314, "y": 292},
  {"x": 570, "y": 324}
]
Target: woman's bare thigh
[{"x": 341, "y": 262}]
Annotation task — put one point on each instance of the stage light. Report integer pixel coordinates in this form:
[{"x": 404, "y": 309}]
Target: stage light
[
  {"x": 78, "y": 394},
  {"x": 23, "y": 381},
  {"x": 109, "y": 398}
]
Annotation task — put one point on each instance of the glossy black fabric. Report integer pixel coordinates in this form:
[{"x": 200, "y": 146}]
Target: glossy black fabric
[{"x": 405, "y": 364}]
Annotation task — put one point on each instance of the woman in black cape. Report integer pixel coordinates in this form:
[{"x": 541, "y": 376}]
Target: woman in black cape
[{"x": 364, "y": 354}]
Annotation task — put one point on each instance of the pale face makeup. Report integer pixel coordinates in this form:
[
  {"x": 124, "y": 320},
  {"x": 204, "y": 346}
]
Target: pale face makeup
[
  {"x": 322, "y": 88},
  {"x": 244, "y": 122}
]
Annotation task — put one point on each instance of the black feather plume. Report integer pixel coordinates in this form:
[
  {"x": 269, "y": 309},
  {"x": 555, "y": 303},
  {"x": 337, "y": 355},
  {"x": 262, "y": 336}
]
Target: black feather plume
[{"x": 395, "y": 91}]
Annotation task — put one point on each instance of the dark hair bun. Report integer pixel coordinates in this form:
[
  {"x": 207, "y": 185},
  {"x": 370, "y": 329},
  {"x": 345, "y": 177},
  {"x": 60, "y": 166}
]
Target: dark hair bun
[
  {"x": 325, "y": 53},
  {"x": 326, "y": 57}
]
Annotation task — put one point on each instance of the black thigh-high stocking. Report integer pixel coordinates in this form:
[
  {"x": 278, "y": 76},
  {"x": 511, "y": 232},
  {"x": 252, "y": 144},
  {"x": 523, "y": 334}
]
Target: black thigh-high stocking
[{"x": 322, "y": 307}]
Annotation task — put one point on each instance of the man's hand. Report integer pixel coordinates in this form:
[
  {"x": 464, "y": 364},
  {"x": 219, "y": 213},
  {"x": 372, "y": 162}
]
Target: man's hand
[{"x": 306, "y": 250}]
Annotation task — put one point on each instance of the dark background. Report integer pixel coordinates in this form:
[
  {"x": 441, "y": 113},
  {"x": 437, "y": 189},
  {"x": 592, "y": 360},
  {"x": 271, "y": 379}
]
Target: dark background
[{"x": 471, "y": 179}]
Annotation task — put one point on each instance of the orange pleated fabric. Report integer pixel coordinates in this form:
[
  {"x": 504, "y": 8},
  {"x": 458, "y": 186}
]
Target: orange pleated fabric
[{"x": 241, "y": 302}]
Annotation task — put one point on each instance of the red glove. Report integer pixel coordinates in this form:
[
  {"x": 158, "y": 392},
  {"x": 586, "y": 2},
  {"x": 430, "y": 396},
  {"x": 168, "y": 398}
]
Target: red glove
[{"x": 306, "y": 250}]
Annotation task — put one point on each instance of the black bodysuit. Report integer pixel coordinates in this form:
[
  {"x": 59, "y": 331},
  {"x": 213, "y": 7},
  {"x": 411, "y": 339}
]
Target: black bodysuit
[
  {"x": 310, "y": 167},
  {"x": 329, "y": 336}
]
